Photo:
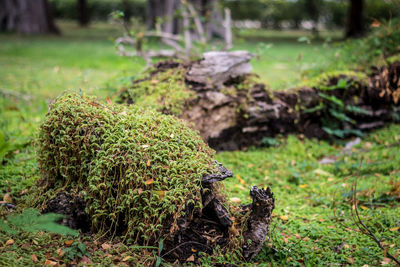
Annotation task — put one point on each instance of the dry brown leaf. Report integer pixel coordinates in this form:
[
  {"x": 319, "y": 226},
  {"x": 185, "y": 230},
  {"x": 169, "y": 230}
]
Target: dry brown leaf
[
  {"x": 50, "y": 262},
  {"x": 139, "y": 190},
  {"x": 34, "y": 258},
  {"x": 68, "y": 242},
  {"x": 191, "y": 258},
  {"x": 235, "y": 199},
  {"x": 9, "y": 242},
  {"x": 394, "y": 229},
  {"x": 7, "y": 198},
  {"x": 60, "y": 252},
  {"x": 105, "y": 246},
  {"x": 240, "y": 179},
  {"x": 109, "y": 101},
  {"x": 148, "y": 163},
  {"x": 23, "y": 192},
  {"x": 149, "y": 182}
]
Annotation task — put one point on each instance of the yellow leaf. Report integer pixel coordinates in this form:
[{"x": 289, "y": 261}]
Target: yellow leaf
[
  {"x": 394, "y": 229},
  {"x": 303, "y": 185},
  {"x": 284, "y": 217},
  {"x": 191, "y": 258},
  {"x": 149, "y": 182},
  {"x": 160, "y": 193},
  {"x": 194, "y": 250},
  {"x": 9, "y": 242},
  {"x": 68, "y": 242},
  {"x": 363, "y": 207},
  {"x": 240, "y": 179},
  {"x": 148, "y": 163},
  {"x": 126, "y": 258}
]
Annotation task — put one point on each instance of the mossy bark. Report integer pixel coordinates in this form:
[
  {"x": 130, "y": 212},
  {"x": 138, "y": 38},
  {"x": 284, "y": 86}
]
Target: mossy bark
[{"x": 233, "y": 112}]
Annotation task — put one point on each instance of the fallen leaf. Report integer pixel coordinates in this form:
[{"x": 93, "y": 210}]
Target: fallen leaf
[
  {"x": 235, "y": 199},
  {"x": 160, "y": 193},
  {"x": 148, "y": 163},
  {"x": 85, "y": 260},
  {"x": 191, "y": 258},
  {"x": 50, "y": 262},
  {"x": 386, "y": 261},
  {"x": 284, "y": 218},
  {"x": 194, "y": 250},
  {"x": 139, "y": 190},
  {"x": 331, "y": 227},
  {"x": 68, "y": 242},
  {"x": 34, "y": 258},
  {"x": 240, "y": 179},
  {"x": 26, "y": 246},
  {"x": 149, "y": 182},
  {"x": 303, "y": 185},
  {"x": 105, "y": 246},
  {"x": 7, "y": 198},
  {"x": 60, "y": 252},
  {"x": 350, "y": 260},
  {"x": 126, "y": 258},
  {"x": 285, "y": 240},
  {"x": 109, "y": 101},
  {"x": 394, "y": 229},
  {"x": 23, "y": 192},
  {"x": 363, "y": 207},
  {"x": 9, "y": 242},
  {"x": 153, "y": 81}
]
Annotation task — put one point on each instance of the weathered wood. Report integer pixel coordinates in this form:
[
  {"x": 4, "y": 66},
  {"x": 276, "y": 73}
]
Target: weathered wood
[
  {"x": 216, "y": 68},
  {"x": 259, "y": 221}
]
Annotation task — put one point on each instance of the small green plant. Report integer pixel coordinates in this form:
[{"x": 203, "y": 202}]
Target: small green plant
[
  {"x": 76, "y": 251},
  {"x": 31, "y": 221}
]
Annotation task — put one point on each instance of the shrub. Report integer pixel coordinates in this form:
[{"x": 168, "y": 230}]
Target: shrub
[{"x": 138, "y": 170}]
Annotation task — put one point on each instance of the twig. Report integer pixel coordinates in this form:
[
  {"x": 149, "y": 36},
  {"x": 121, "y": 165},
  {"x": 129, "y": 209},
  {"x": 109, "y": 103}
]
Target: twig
[
  {"x": 184, "y": 243},
  {"x": 360, "y": 224}
]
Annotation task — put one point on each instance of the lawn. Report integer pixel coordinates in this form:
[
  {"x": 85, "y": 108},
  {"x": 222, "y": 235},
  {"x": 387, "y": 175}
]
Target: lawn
[{"x": 313, "y": 222}]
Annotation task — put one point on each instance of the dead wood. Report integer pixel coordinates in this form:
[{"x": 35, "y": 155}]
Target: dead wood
[{"x": 230, "y": 121}]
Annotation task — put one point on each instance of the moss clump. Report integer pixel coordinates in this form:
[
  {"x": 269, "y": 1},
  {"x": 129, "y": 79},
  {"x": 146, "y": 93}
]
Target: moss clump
[
  {"x": 137, "y": 169},
  {"x": 164, "y": 91},
  {"x": 323, "y": 81}
]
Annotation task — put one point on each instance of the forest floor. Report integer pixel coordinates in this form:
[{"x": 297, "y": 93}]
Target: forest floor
[{"x": 312, "y": 180}]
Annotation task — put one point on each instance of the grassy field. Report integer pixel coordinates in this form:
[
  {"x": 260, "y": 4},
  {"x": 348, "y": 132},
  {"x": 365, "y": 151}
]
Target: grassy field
[{"x": 313, "y": 223}]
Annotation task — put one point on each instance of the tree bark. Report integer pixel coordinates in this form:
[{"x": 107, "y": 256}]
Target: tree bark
[
  {"x": 27, "y": 17},
  {"x": 355, "y": 20},
  {"x": 83, "y": 13}
]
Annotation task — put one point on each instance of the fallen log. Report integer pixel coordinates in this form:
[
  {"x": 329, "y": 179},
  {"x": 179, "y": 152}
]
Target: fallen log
[{"x": 218, "y": 96}]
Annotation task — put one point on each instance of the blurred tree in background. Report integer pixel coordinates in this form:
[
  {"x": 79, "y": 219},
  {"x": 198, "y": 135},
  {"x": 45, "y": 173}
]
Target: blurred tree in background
[
  {"x": 27, "y": 17},
  {"x": 351, "y": 16}
]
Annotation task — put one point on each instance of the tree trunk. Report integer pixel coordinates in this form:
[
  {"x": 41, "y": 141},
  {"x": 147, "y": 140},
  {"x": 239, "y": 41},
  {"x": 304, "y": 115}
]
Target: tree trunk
[
  {"x": 27, "y": 17},
  {"x": 83, "y": 13},
  {"x": 355, "y": 20}
]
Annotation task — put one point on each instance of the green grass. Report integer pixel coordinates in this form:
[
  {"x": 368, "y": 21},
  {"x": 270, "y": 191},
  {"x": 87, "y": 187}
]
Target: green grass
[{"x": 312, "y": 222}]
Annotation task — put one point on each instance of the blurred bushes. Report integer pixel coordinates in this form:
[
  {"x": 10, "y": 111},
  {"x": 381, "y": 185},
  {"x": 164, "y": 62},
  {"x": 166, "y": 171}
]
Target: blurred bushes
[
  {"x": 99, "y": 9},
  {"x": 331, "y": 13}
]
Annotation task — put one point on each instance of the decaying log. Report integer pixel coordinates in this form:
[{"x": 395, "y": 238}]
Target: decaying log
[
  {"x": 230, "y": 121},
  {"x": 259, "y": 221}
]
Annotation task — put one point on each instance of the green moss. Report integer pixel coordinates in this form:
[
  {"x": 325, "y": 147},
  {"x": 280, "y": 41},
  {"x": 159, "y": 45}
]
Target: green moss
[
  {"x": 164, "y": 91},
  {"x": 137, "y": 169},
  {"x": 322, "y": 81}
]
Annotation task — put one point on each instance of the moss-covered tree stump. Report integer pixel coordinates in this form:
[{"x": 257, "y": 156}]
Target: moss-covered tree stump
[{"x": 145, "y": 177}]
